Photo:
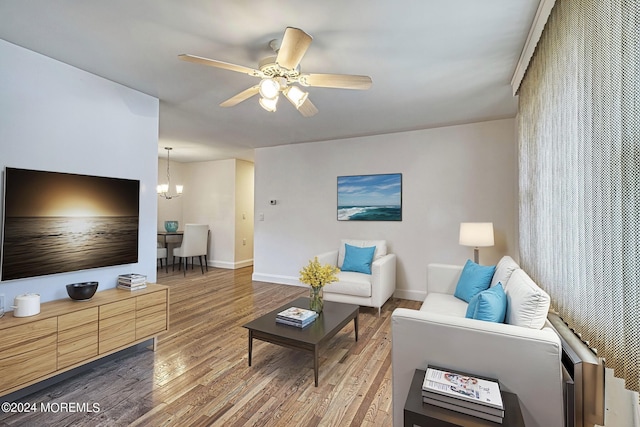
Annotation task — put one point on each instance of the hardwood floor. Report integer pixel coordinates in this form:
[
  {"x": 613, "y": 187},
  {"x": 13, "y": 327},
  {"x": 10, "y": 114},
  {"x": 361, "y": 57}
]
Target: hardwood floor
[{"x": 199, "y": 374}]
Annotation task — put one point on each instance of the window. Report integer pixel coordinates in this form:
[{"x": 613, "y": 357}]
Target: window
[{"x": 579, "y": 161}]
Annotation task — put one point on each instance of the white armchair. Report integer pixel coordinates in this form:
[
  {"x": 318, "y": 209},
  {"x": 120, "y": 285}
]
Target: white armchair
[{"x": 371, "y": 290}]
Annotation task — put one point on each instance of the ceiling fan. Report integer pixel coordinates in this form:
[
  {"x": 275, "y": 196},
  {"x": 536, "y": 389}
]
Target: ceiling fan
[{"x": 280, "y": 73}]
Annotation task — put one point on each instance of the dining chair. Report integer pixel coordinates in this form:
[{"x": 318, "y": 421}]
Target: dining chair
[
  {"x": 194, "y": 244},
  {"x": 162, "y": 254}
]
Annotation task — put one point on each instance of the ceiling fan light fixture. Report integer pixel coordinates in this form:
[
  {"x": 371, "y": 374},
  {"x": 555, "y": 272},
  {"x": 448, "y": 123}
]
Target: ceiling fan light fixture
[
  {"x": 269, "y": 88},
  {"x": 278, "y": 73},
  {"x": 269, "y": 104},
  {"x": 296, "y": 95}
]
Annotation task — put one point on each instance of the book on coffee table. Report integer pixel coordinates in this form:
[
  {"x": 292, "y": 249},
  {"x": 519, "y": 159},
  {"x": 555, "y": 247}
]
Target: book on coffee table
[
  {"x": 299, "y": 325},
  {"x": 294, "y": 316}
]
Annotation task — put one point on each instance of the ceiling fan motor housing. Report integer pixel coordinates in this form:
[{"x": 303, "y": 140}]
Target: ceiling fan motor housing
[{"x": 270, "y": 68}]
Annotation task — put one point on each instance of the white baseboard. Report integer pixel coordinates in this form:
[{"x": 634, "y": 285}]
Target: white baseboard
[
  {"x": 410, "y": 295},
  {"x": 230, "y": 265},
  {"x": 276, "y": 278}
]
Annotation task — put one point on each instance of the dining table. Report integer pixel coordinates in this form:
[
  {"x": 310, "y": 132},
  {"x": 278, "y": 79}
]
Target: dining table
[
  {"x": 165, "y": 234},
  {"x": 165, "y": 242}
]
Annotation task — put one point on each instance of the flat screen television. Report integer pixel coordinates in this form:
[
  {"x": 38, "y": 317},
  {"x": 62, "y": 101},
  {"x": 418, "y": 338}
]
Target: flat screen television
[{"x": 57, "y": 222}]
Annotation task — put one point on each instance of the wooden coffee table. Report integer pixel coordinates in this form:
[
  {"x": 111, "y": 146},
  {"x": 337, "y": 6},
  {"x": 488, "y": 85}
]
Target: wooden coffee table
[{"x": 333, "y": 318}]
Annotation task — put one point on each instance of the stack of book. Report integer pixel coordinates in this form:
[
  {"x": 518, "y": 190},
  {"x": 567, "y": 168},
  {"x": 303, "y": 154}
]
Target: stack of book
[
  {"x": 132, "y": 281},
  {"x": 295, "y": 316},
  {"x": 462, "y": 393}
]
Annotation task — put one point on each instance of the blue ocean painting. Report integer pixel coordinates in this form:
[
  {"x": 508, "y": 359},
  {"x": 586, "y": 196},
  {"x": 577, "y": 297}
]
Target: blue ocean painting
[{"x": 370, "y": 197}]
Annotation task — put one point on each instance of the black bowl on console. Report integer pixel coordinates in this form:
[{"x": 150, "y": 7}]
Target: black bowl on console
[{"x": 82, "y": 291}]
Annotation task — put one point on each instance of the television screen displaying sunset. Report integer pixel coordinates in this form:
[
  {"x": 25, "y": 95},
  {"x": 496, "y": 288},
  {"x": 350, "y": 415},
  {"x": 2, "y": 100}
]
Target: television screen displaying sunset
[{"x": 59, "y": 222}]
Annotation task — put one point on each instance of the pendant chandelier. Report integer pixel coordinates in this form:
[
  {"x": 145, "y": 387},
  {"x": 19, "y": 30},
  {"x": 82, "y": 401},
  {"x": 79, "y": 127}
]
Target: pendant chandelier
[{"x": 163, "y": 189}]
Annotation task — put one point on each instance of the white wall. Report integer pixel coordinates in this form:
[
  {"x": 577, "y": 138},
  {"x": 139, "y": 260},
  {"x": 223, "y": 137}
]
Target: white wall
[
  {"x": 450, "y": 175},
  {"x": 244, "y": 214},
  {"x": 216, "y": 193},
  {"x": 58, "y": 118},
  {"x": 211, "y": 200}
]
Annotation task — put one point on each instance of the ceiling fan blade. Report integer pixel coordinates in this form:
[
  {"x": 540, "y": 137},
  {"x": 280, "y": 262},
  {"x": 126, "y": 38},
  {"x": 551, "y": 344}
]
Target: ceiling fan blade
[
  {"x": 219, "y": 64},
  {"x": 340, "y": 81},
  {"x": 294, "y": 45},
  {"x": 244, "y": 95},
  {"x": 307, "y": 109}
]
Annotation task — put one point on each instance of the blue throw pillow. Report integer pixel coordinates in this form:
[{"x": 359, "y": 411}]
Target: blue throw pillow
[
  {"x": 358, "y": 259},
  {"x": 473, "y": 306},
  {"x": 489, "y": 305},
  {"x": 474, "y": 278}
]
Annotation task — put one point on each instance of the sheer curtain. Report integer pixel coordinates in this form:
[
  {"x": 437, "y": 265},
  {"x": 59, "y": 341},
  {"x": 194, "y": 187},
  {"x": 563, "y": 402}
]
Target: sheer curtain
[{"x": 579, "y": 160}]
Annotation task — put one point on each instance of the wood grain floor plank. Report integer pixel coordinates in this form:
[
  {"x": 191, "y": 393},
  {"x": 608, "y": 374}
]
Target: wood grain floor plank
[{"x": 199, "y": 375}]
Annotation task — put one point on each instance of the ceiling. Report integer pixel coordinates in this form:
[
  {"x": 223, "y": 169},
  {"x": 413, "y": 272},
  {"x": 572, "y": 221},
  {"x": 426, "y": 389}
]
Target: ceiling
[{"x": 432, "y": 62}]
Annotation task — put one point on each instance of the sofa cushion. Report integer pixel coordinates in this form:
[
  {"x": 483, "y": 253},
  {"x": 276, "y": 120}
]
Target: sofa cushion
[
  {"x": 350, "y": 283},
  {"x": 527, "y": 304},
  {"x": 489, "y": 305},
  {"x": 504, "y": 268},
  {"x": 444, "y": 304},
  {"x": 381, "y": 248},
  {"x": 358, "y": 259},
  {"x": 474, "y": 278}
]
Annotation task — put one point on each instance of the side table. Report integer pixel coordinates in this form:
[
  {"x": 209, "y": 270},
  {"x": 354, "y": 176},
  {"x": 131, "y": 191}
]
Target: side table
[{"x": 417, "y": 413}]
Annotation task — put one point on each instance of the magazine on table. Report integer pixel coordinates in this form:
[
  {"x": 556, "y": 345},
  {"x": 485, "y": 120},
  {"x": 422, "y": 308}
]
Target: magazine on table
[
  {"x": 131, "y": 288},
  {"x": 296, "y": 314},
  {"x": 463, "y": 387},
  {"x": 459, "y": 405},
  {"x": 296, "y": 324},
  {"x": 495, "y": 417},
  {"x": 132, "y": 278}
]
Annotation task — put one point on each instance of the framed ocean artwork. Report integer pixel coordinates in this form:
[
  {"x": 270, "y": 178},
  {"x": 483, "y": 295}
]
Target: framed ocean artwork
[{"x": 370, "y": 197}]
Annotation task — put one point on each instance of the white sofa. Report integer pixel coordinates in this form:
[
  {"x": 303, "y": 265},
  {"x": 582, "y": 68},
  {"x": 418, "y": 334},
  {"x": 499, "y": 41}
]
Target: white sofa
[
  {"x": 371, "y": 290},
  {"x": 525, "y": 360}
]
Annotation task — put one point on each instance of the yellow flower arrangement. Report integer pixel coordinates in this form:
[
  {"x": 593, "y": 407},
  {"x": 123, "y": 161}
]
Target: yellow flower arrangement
[{"x": 316, "y": 275}]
